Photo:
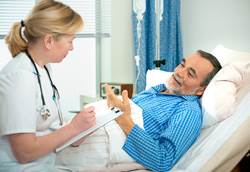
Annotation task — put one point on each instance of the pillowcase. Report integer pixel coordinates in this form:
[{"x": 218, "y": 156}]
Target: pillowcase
[
  {"x": 224, "y": 91},
  {"x": 221, "y": 95},
  {"x": 228, "y": 56},
  {"x": 219, "y": 99}
]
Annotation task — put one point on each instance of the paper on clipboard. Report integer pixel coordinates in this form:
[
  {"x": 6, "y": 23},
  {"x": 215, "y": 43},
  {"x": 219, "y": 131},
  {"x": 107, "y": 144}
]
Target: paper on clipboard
[{"x": 102, "y": 118}]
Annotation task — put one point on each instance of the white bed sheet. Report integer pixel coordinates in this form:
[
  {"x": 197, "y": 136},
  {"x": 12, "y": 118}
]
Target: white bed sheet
[{"x": 102, "y": 150}]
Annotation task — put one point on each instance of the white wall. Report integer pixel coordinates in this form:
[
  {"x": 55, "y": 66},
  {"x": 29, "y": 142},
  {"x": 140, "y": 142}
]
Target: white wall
[
  {"x": 122, "y": 60},
  {"x": 76, "y": 74},
  {"x": 206, "y": 23}
]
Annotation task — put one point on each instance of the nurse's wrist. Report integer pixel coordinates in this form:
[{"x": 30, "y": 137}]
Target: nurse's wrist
[{"x": 73, "y": 130}]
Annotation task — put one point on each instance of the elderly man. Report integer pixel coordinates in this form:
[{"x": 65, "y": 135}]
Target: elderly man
[{"x": 172, "y": 116}]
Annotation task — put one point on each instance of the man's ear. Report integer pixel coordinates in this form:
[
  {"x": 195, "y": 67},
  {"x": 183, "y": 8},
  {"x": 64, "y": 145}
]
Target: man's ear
[
  {"x": 48, "y": 41},
  {"x": 201, "y": 90}
]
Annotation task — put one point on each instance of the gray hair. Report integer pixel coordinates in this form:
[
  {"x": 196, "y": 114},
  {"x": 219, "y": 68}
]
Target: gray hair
[{"x": 216, "y": 64}]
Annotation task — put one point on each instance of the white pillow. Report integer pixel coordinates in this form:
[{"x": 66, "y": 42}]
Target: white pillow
[
  {"x": 226, "y": 56},
  {"x": 155, "y": 77},
  {"x": 222, "y": 93},
  {"x": 219, "y": 98}
]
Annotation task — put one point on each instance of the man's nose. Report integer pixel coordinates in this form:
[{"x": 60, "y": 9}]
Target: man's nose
[{"x": 181, "y": 73}]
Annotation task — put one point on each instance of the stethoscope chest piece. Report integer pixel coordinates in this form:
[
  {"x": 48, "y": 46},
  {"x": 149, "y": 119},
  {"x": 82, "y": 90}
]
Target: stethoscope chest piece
[{"x": 45, "y": 113}]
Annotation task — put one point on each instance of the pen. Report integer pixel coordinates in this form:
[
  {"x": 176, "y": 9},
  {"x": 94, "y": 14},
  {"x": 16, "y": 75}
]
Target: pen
[
  {"x": 116, "y": 110},
  {"x": 74, "y": 111}
]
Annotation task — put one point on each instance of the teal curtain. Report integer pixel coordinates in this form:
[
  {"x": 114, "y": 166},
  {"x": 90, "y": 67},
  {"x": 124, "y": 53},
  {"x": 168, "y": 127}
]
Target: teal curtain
[{"x": 170, "y": 39}]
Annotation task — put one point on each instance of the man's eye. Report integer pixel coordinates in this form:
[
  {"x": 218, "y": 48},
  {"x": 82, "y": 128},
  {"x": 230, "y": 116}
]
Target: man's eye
[{"x": 190, "y": 74}]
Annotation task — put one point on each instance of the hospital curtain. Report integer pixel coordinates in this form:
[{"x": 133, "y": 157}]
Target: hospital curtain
[{"x": 170, "y": 39}]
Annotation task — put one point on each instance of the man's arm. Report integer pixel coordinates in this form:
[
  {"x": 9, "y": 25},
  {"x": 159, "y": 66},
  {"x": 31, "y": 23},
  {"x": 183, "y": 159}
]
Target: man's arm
[
  {"x": 162, "y": 153},
  {"x": 125, "y": 122},
  {"x": 139, "y": 144}
]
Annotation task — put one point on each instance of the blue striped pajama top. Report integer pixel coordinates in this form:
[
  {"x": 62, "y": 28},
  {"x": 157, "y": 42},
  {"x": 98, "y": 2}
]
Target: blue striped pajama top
[{"x": 172, "y": 123}]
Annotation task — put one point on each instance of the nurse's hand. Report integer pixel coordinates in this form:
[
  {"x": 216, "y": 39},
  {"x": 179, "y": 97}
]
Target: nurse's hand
[{"x": 84, "y": 119}]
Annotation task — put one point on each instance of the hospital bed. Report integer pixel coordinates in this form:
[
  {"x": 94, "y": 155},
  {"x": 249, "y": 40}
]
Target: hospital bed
[{"x": 221, "y": 145}]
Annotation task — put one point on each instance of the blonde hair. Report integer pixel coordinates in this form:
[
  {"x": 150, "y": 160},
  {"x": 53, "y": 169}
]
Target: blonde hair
[{"x": 46, "y": 17}]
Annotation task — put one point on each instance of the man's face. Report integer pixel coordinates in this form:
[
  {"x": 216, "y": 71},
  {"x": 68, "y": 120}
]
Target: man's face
[{"x": 188, "y": 76}]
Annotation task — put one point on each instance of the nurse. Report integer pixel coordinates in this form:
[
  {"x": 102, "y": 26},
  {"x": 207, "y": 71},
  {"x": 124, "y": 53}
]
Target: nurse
[{"x": 28, "y": 96}]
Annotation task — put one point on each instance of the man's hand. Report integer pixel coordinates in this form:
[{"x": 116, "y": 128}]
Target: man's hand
[
  {"x": 125, "y": 120},
  {"x": 113, "y": 100}
]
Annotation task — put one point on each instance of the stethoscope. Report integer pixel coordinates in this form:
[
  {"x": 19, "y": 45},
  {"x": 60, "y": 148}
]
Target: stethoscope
[{"x": 44, "y": 111}]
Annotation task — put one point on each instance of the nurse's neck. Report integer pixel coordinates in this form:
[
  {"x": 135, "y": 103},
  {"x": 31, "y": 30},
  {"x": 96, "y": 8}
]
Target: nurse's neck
[{"x": 38, "y": 54}]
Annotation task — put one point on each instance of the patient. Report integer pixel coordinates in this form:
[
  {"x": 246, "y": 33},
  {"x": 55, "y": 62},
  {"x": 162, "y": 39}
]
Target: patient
[{"x": 171, "y": 115}]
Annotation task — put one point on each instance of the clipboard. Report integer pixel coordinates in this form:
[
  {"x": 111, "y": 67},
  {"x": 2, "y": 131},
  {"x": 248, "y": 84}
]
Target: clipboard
[{"x": 101, "y": 120}]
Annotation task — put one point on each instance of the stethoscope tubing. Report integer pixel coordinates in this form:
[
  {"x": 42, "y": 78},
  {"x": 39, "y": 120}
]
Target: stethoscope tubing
[{"x": 55, "y": 90}]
